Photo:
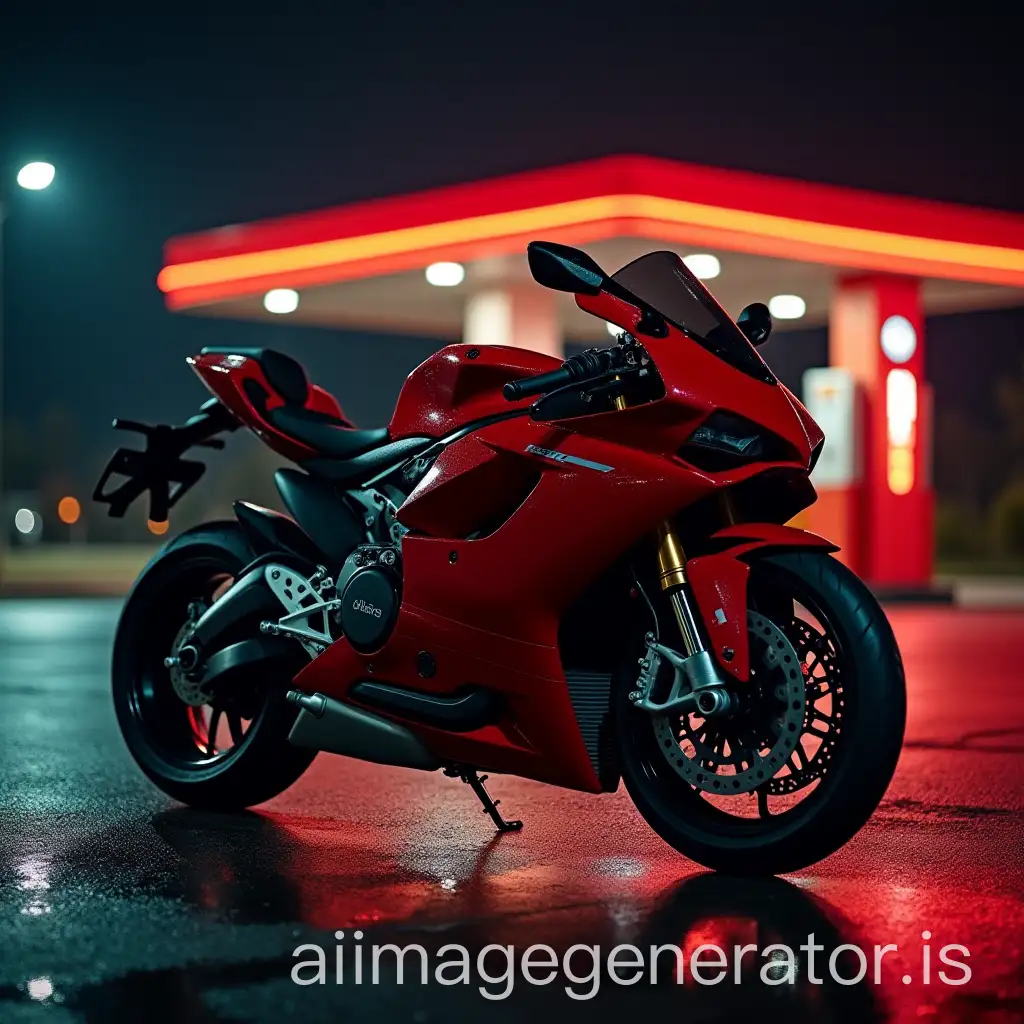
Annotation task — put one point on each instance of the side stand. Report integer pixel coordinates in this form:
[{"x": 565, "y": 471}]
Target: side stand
[{"x": 476, "y": 783}]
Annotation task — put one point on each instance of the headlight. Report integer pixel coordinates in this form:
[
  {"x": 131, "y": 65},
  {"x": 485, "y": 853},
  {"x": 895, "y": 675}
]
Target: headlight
[
  {"x": 745, "y": 445},
  {"x": 725, "y": 440}
]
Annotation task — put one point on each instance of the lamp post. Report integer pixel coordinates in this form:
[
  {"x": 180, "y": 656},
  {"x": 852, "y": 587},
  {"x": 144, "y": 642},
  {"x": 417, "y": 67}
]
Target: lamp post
[{"x": 34, "y": 177}]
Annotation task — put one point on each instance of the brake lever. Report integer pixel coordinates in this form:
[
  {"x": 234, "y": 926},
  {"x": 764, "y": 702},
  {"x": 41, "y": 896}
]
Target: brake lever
[
  {"x": 578, "y": 399},
  {"x": 612, "y": 389}
]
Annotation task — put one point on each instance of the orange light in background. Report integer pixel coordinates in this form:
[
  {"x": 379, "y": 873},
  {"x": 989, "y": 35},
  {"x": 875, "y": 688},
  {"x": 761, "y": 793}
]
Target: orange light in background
[
  {"x": 901, "y": 413},
  {"x": 158, "y": 528},
  {"x": 69, "y": 510}
]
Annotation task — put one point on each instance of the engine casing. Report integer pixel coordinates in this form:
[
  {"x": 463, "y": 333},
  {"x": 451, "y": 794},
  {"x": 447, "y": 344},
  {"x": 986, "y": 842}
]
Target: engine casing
[{"x": 370, "y": 589}]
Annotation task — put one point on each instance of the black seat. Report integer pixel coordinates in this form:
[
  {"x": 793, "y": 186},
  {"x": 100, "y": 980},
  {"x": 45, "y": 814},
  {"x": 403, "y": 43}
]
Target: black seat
[
  {"x": 333, "y": 437},
  {"x": 363, "y": 467},
  {"x": 324, "y": 433}
]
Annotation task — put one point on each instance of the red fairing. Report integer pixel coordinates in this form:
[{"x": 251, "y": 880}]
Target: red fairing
[
  {"x": 461, "y": 384},
  {"x": 697, "y": 383},
  {"x": 489, "y": 608},
  {"x": 537, "y": 736},
  {"x": 225, "y": 376},
  {"x": 323, "y": 401},
  {"x": 719, "y": 585},
  {"x": 512, "y": 523},
  {"x": 749, "y": 536},
  {"x": 815, "y": 435}
]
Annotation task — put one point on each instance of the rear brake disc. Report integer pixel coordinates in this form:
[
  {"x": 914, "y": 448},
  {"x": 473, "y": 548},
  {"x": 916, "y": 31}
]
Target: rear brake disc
[{"x": 189, "y": 690}]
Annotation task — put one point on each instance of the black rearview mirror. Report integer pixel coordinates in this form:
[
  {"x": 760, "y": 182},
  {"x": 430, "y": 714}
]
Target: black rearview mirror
[
  {"x": 564, "y": 268},
  {"x": 756, "y": 323}
]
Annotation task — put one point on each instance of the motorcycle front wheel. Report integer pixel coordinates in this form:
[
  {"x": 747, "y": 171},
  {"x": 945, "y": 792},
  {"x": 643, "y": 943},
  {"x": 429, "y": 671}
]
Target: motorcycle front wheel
[{"x": 847, "y": 722}]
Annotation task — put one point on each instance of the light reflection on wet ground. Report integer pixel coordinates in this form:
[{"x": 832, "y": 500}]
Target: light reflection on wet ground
[{"x": 115, "y": 904}]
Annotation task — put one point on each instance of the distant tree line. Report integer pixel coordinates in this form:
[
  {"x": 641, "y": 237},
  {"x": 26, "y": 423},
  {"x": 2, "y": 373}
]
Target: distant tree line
[{"x": 979, "y": 476}]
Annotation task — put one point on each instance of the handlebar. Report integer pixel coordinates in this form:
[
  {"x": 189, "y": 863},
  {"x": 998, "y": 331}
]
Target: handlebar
[
  {"x": 587, "y": 365},
  {"x": 528, "y": 386}
]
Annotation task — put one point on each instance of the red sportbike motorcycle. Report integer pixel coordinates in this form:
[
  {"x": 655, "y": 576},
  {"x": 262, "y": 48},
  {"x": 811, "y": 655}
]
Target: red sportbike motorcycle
[{"x": 576, "y": 572}]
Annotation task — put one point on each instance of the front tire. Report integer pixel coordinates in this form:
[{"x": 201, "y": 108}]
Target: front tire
[
  {"x": 838, "y": 790},
  {"x": 230, "y": 755}
]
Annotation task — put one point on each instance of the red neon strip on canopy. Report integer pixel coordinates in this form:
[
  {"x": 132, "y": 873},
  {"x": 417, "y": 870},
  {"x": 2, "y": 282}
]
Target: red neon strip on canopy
[{"x": 586, "y": 202}]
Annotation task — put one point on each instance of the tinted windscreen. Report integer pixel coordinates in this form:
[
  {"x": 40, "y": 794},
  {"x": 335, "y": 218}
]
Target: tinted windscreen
[{"x": 662, "y": 281}]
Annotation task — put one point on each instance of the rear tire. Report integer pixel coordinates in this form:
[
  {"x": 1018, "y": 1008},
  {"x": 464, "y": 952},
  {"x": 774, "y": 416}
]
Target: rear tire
[
  {"x": 159, "y": 729},
  {"x": 859, "y": 767}
]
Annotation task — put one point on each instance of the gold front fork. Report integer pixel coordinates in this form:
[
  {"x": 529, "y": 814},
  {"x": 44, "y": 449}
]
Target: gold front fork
[
  {"x": 671, "y": 558},
  {"x": 672, "y": 577},
  {"x": 706, "y": 694}
]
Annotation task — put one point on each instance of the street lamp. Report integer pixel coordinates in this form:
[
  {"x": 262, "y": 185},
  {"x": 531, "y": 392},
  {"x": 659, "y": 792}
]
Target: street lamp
[{"x": 35, "y": 176}]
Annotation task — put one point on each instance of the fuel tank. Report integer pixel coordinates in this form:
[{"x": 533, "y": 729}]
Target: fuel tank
[{"x": 460, "y": 384}]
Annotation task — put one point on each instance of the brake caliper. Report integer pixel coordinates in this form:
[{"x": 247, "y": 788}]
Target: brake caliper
[{"x": 694, "y": 683}]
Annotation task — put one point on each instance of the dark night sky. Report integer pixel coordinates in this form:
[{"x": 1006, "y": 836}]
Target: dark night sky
[{"x": 160, "y": 125}]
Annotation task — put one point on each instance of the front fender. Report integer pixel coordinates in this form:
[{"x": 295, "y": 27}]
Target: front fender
[{"x": 718, "y": 582}]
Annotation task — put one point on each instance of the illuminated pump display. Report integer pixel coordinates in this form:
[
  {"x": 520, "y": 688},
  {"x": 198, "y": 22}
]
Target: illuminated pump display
[
  {"x": 901, "y": 417},
  {"x": 830, "y": 395},
  {"x": 898, "y": 340},
  {"x": 832, "y": 398}
]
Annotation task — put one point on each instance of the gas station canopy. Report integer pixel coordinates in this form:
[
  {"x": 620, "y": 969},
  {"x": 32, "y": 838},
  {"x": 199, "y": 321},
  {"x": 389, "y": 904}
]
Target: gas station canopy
[
  {"x": 362, "y": 265},
  {"x": 451, "y": 263}
]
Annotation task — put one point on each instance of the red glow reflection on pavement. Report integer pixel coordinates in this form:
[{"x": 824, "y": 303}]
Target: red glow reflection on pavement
[{"x": 370, "y": 846}]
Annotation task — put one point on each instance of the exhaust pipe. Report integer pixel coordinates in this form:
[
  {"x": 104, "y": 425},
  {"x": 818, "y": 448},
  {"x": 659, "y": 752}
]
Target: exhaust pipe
[{"x": 327, "y": 724}]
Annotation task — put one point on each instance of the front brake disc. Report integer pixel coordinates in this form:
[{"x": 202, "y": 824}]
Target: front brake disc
[
  {"x": 824, "y": 709},
  {"x": 740, "y": 751}
]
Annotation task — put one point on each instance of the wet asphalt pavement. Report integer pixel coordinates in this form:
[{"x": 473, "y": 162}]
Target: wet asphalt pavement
[{"x": 115, "y": 904}]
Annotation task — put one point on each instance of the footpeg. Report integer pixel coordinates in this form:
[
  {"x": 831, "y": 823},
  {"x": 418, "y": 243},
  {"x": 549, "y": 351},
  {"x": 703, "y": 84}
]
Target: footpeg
[{"x": 476, "y": 783}]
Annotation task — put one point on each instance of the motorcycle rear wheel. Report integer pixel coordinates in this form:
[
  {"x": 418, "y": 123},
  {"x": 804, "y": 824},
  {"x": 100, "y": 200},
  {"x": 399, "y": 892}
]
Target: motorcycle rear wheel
[
  {"x": 832, "y": 795},
  {"x": 230, "y": 755}
]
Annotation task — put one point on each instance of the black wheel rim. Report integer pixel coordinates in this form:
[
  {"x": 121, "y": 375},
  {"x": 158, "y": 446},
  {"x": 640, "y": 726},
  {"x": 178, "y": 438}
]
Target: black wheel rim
[{"x": 187, "y": 738}]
